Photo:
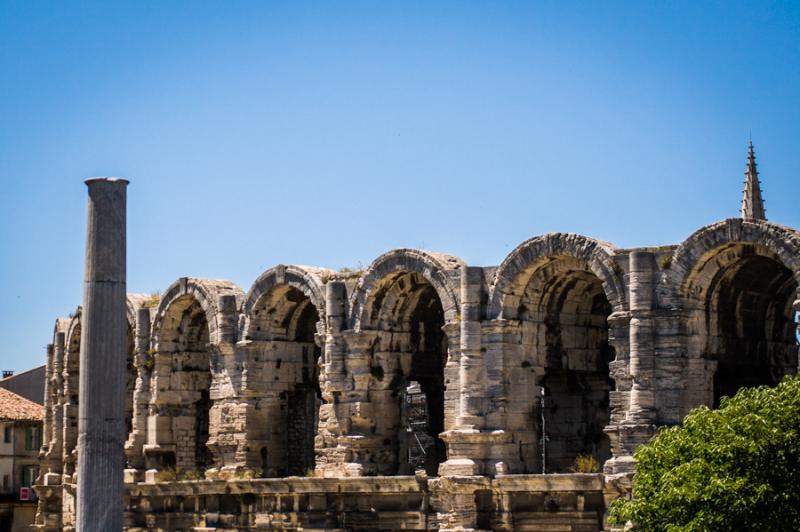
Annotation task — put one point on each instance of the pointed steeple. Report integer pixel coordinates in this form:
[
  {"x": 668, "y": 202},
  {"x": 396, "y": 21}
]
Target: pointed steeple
[{"x": 752, "y": 202}]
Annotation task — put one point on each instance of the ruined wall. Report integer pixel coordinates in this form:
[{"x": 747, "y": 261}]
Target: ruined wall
[{"x": 571, "y": 347}]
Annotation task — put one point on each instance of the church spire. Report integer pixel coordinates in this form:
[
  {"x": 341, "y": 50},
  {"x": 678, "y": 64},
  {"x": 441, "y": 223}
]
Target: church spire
[{"x": 752, "y": 202}]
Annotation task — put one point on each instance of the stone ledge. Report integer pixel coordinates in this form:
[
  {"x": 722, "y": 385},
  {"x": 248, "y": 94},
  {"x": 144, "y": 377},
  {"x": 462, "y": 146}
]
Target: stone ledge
[{"x": 550, "y": 482}]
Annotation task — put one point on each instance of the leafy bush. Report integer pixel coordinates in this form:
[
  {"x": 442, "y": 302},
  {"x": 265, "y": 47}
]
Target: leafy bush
[
  {"x": 735, "y": 468},
  {"x": 585, "y": 463}
]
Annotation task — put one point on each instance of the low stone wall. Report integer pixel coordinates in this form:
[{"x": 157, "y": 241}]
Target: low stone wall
[
  {"x": 569, "y": 503},
  {"x": 516, "y": 502}
]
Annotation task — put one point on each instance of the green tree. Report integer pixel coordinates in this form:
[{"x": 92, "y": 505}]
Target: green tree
[{"x": 734, "y": 468}]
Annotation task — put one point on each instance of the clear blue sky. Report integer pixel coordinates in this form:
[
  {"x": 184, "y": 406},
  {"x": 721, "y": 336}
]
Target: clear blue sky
[{"x": 262, "y": 133}]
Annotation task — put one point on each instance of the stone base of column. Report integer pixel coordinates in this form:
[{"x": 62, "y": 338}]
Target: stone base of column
[
  {"x": 475, "y": 452},
  {"x": 640, "y": 416},
  {"x": 453, "y": 498},
  {"x": 134, "y": 457},
  {"x": 625, "y": 439},
  {"x": 354, "y": 456},
  {"x": 132, "y": 476},
  {"x": 48, "y": 509},
  {"x": 616, "y": 487},
  {"x": 158, "y": 456}
]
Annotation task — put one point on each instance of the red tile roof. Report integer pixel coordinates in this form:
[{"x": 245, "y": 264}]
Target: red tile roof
[{"x": 16, "y": 408}]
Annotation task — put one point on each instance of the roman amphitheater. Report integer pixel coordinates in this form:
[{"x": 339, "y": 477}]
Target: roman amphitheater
[{"x": 423, "y": 393}]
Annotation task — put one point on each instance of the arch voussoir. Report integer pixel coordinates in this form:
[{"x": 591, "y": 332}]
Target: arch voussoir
[
  {"x": 306, "y": 279},
  {"x": 598, "y": 257},
  {"x": 208, "y": 294},
  {"x": 440, "y": 270},
  {"x": 779, "y": 241}
]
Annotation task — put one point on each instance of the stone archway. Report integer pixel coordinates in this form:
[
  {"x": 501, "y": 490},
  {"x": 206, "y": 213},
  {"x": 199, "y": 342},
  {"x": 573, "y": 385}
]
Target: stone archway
[
  {"x": 564, "y": 312},
  {"x": 193, "y": 376},
  {"x": 742, "y": 320},
  {"x": 71, "y": 383},
  {"x": 181, "y": 386},
  {"x": 399, "y": 311},
  {"x": 71, "y": 380},
  {"x": 407, "y": 370},
  {"x": 284, "y": 352},
  {"x": 738, "y": 281},
  {"x": 558, "y": 292}
]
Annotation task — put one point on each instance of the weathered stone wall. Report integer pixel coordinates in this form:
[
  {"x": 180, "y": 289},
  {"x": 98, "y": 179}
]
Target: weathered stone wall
[
  {"x": 307, "y": 374},
  {"x": 509, "y": 503}
]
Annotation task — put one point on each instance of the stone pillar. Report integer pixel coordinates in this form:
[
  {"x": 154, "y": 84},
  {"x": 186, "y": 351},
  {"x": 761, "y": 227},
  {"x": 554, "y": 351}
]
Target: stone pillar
[
  {"x": 472, "y": 448},
  {"x": 335, "y": 295},
  {"x": 101, "y": 413},
  {"x": 55, "y": 448},
  {"x": 226, "y": 431},
  {"x": 455, "y": 503},
  {"x": 47, "y": 429},
  {"x": 368, "y": 450},
  {"x": 638, "y": 425},
  {"x": 472, "y": 374},
  {"x": 228, "y": 322},
  {"x": 330, "y": 457},
  {"x": 641, "y": 284},
  {"x": 144, "y": 361}
]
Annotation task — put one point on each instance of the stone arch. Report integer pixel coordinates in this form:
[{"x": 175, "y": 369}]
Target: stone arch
[
  {"x": 737, "y": 282},
  {"x": 283, "y": 327},
  {"x": 133, "y": 302},
  {"x": 306, "y": 279},
  {"x": 440, "y": 270},
  {"x": 512, "y": 275},
  {"x": 71, "y": 377},
  {"x": 71, "y": 380},
  {"x": 54, "y": 400},
  {"x": 207, "y": 293},
  {"x": 781, "y": 242},
  {"x": 196, "y": 320},
  {"x": 399, "y": 312},
  {"x": 560, "y": 291}
]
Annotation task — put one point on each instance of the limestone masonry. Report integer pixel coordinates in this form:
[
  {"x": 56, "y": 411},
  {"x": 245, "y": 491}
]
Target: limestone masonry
[{"x": 426, "y": 394}]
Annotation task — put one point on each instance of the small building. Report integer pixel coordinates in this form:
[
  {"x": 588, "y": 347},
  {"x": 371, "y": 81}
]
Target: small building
[
  {"x": 29, "y": 384},
  {"x": 20, "y": 443}
]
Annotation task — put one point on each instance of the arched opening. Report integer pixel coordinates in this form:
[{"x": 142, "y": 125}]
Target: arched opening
[
  {"x": 564, "y": 313},
  {"x": 182, "y": 377},
  {"x": 409, "y": 369},
  {"x": 71, "y": 392},
  {"x": 283, "y": 329},
  {"x": 130, "y": 382},
  {"x": 750, "y": 326}
]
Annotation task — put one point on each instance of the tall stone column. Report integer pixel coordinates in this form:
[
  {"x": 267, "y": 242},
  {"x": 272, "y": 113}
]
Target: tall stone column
[
  {"x": 47, "y": 431},
  {"x": 330, "y": 457},
  {"x": 472, "y": 375},
  {"x": 473, "y": 448},
  {"x": 642, "y": 338},
  {"x": 335, "y": 296},
  {"x": 638, "y": 424},
  {"x": 101, "y": 413},
  {"x": 55, "y": 447},
  {"x": 227, "y": 415}
]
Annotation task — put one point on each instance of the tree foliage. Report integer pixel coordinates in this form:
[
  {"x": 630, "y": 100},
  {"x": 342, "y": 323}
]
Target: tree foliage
[{"x": 734, "y": 468}]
